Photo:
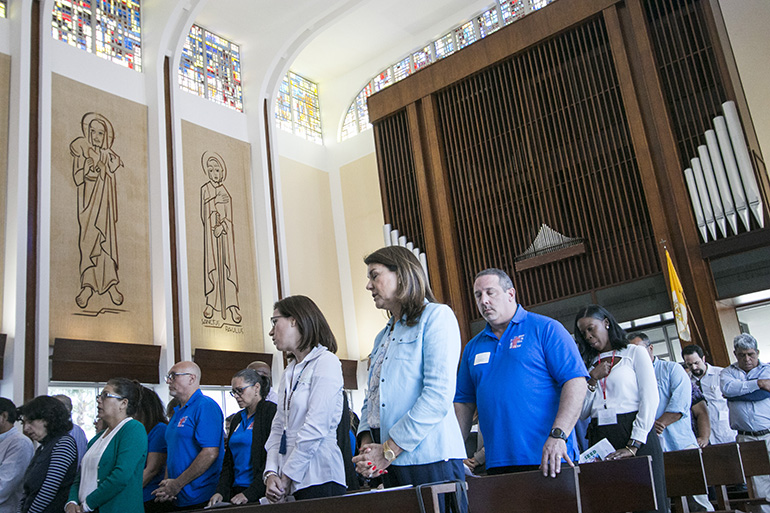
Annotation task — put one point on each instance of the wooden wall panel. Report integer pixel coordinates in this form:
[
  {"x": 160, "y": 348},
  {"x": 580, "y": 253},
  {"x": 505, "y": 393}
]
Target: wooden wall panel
[{"x": 543, "y": 139}]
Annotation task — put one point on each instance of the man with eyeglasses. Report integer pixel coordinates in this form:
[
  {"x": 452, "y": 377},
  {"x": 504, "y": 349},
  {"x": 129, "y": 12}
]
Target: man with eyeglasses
[
  {"x": 195, "y": 442},
  {"x": 746, "y": 385}
]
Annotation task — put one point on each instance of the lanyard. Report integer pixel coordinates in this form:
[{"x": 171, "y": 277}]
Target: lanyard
[
  {"x": 287, "y": 405},
  {"x": 603, "y": 381}
]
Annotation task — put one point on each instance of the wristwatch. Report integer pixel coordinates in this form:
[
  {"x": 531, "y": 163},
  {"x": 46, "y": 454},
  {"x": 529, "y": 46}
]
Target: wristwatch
[
  {"x": 388, "y": 452},
  {"x": 558, "y": 433}
]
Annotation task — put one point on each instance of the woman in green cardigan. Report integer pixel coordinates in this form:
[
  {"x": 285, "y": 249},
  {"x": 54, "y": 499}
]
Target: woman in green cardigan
[{"x": 110, "y": 476}]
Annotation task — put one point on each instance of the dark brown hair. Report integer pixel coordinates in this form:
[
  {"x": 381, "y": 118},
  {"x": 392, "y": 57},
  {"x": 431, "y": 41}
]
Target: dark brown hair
[
  {"x": 312, "y": 325},
  {"x": 413, "y": 288}
]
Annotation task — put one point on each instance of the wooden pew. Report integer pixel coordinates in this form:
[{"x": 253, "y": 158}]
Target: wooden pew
[
  {"x": 756, "y": 462},
  {"x": 723, "y": 466},
  {"x": 617, "y": 486},
  {"x": 525, "y": 492},
  {"x": 684, "y": 476},
  {"x": 403, "y": 500}
]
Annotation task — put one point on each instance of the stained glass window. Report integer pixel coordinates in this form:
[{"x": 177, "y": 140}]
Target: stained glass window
[
  {"x": 297, "y": 107},
  {"x": 465, "y": 35},
  {"x": 2, "y": 8},
  {"x": 109, "y": 28},
  {"x": 444, "y": 46},
  {"x": 210, "y": 67},
  {"x": 422, "y": 58},
  {"x": 481, "y": 25},
  {"x": 402, "y": 69},
  {"x": 488, "y": 22},
  {"x": 512, "y": 10}
]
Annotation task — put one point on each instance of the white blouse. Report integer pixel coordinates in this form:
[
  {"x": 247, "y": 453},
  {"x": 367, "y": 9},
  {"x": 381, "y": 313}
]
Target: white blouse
[{"x": 630, "y": 386}]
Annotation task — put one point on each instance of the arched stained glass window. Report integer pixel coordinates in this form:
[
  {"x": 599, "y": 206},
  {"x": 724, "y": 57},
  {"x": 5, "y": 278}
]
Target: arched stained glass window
[
  {"x": 110, "y": 29},
  {"x": 480, "y": 26},
  {"x": 297, "y": 108},
  {"x": 210, "y": 67}
]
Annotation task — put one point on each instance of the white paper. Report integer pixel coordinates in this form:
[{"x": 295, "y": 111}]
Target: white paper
[{"x": 597, "y": 452}]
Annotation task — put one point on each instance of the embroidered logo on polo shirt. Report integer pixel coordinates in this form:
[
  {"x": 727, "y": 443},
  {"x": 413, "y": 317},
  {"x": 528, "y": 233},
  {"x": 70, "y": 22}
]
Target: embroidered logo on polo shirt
[
  {"x": 182, "y": 421},
  {"x": 516, "y": 342}
]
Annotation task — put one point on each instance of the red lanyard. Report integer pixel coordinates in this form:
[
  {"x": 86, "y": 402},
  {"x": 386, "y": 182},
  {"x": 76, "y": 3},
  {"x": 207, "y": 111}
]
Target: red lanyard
[{"x": 603, "y": 381}]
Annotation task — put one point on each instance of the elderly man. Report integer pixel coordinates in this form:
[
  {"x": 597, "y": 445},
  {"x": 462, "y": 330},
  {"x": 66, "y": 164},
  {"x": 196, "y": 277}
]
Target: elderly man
[
  {"x": 195, "y": 440},
  {"x": 15, "y": 454},
  {"x": 264, "y": 369},
  {"x": 525, "y": 375},
  {"x": 706, "y": 377},
  {"x": 746, "y": 385},
  {"x": 672, "y": 420}
]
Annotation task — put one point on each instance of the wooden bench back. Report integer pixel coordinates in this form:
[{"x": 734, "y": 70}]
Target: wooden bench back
[
  {"x": 723, "y": 466},
  {"x": 617, "y": 486},
  {"x": 525, "y": 492},
  {"x": 684, "y": 473},
  {"x": 756, "y": 461}
]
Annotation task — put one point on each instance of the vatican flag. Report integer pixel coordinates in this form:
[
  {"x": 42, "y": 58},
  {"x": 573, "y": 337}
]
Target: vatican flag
[{"x": 677, "y": 298}]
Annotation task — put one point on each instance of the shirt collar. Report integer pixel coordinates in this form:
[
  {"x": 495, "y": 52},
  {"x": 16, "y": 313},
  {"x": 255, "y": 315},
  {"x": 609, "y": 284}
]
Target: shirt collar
[
  {"x": 8, "y": 433},
  {"x": 517, "y": 318}
]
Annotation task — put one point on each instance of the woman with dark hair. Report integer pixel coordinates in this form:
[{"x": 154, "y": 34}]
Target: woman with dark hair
[
  {"x": 110, "y": 476},
  {"x": 241, "y": 478},
  {"x": 622, "y": 396},
  {"x": 52, "y": 469},
  {"x": 303, "y": 458},
  {"x": 408, "y": 425},
  {"x": 152, "y": 415}
]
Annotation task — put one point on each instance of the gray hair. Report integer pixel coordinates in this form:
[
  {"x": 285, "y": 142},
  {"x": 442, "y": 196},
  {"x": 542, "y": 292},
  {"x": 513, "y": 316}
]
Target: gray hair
[
  {"x": 250, "y": 376},
  {"x": 641, "y": 336},
  {"x": 505, "y": 281},
  {"x": 744, "y": 341}
]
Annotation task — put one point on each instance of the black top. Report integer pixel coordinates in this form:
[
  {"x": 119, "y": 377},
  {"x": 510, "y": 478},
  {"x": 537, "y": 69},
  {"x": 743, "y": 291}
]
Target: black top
[
  {"x": 49, "y": 476},
  {"x": 263, "y": 419}
]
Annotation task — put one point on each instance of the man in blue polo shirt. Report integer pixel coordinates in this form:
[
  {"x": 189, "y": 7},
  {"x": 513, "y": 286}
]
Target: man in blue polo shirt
[
  {"x": 524, "y": 374},
  {"x": 195, "y": 438}
]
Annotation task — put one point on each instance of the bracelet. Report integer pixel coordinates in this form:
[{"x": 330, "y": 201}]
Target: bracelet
[
  {"x": 632, "y": 450},
  {"x": 267, "y": 475},
  {"x": 591, "y": 387}
]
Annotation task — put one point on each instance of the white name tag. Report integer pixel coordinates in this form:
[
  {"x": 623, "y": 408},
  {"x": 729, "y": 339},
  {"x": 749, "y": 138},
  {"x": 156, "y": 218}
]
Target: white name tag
[
  {"x": 607, "y": 417},
  {"x": 481, "y": 358},
  {"x": 723, "y": 415}
]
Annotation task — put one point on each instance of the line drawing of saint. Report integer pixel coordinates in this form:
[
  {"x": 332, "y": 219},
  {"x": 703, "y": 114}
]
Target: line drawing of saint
[
  {"x": 94, "y": 164},
  {"x": 220, "y": 280}
]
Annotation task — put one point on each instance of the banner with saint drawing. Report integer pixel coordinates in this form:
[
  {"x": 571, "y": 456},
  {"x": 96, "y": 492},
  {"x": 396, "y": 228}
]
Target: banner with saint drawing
[{"x": 678, "y": 301}]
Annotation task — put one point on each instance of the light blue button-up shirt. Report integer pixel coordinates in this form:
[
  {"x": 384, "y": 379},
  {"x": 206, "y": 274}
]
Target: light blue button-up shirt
[
  {"x": 417, "y": 385},
  {"x": 675, "y": 392},
  {"x": 746, "y": 415}
]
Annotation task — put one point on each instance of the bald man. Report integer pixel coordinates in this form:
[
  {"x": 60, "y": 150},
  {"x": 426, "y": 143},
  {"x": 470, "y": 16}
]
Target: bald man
[
  {"x": 264, "y": 369},
  {"x": 195, "y": 440}
]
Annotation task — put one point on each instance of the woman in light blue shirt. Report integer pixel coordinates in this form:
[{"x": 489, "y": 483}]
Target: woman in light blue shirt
[{"x": 408, "y": 432}]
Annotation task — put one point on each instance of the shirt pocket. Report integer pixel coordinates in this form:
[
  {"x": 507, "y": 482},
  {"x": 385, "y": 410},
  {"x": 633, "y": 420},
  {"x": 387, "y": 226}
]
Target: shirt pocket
[{"x": 408, "y": 348}]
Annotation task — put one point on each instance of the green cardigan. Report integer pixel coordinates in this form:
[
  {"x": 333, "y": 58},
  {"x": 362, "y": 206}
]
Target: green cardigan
[{"x": 119, "y": 477}]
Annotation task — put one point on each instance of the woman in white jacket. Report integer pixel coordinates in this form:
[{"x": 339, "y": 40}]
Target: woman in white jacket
[
  {"x": 303, "y": 458},
  {"x": 622, "y": 396}
]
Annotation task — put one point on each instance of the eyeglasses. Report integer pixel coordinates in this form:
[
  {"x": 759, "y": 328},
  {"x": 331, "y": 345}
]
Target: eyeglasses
[
  {"x": 104, "y": 395},
  {"x": 274, "y": 320},
  {"x": 239, "y": 391},
  {"x": 171, "y": 376}
]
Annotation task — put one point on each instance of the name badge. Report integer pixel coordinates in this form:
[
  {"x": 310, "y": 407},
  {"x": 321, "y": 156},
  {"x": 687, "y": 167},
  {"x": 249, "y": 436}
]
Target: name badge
[
  {"x": 607, "y": 417},
  {"x": 481, "y": 358},
  {"x": 723, "y": 415}
]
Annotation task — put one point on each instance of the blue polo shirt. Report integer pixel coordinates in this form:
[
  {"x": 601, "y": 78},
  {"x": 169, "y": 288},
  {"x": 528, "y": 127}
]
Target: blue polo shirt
[
  {"x": 156, "y": 442},
  {"x": 240, "y": 446},
  {"x": 197, "y": 424},
  {"x": 516, "y": 383}
]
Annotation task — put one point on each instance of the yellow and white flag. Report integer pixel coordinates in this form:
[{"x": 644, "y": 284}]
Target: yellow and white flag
[{"x": 677, "y": 297}]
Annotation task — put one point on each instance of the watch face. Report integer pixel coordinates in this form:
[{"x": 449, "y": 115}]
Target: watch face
[{"x": 558, "y": 433}]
